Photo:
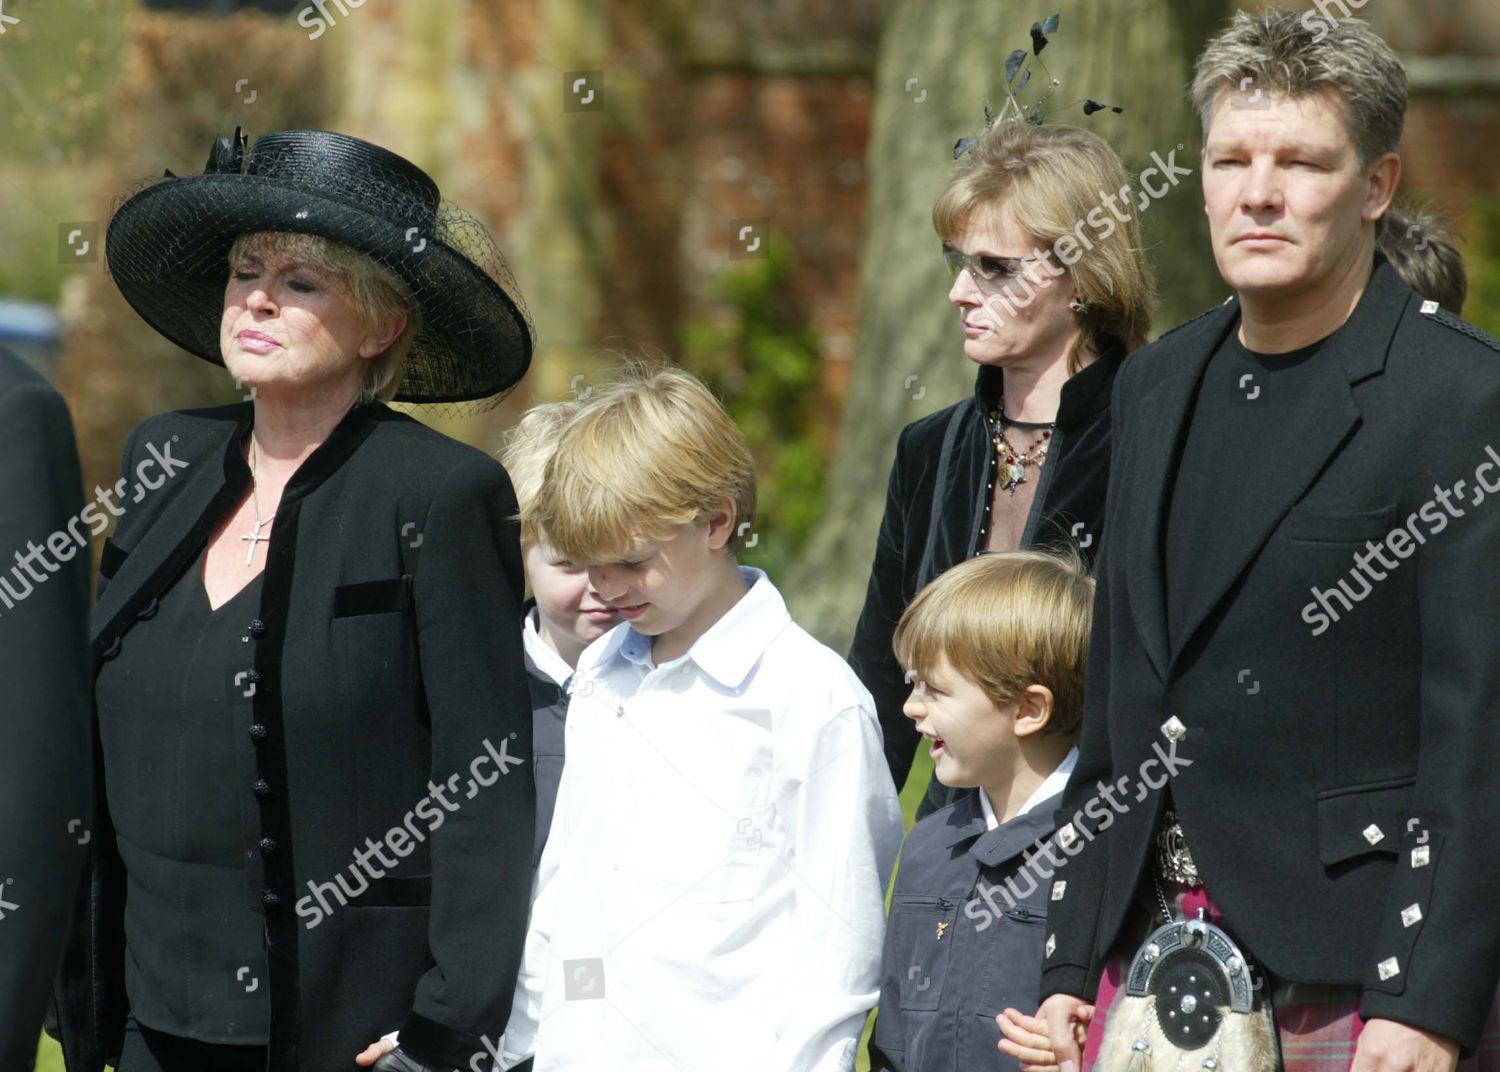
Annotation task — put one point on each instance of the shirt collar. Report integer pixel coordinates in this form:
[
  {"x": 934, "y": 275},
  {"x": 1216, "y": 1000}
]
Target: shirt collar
[
  {"x": 729, "y": 649},
  {"x": 539, "y": 654},
  {"x": 1032, "y": 823},
  {"x": 1050, "y": 787},
  {"x": 1053, "y": 784},
  {"x": 969, "y": 818},
  {"x": 991, "y": 820}
]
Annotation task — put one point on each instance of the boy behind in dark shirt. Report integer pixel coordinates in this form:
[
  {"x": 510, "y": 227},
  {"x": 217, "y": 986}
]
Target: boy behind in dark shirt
[
  {"x": 564, "y": 615},
  {"x": 997, "y": 649}
]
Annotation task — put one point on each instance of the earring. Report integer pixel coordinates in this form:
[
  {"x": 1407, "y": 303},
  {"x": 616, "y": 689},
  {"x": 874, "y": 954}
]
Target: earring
[{"x": 1078, "y": 305}]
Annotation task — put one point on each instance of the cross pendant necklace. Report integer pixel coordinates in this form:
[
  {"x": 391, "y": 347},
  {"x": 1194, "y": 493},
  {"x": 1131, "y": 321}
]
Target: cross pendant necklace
[{"x": 255, "y": 536}]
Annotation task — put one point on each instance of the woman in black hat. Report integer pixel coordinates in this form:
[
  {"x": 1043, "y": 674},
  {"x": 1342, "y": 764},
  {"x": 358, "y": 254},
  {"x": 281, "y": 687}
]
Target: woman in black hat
[{"x": 315, "y": 807}]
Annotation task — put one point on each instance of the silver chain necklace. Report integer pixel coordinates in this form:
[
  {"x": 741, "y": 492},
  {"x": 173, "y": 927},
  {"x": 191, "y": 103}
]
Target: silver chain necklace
[{"x": 255, "y": 535}]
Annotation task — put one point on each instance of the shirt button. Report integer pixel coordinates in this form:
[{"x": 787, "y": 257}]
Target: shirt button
[
  {"x": 270, "y": 899},
  {"x": 258, "y": 731},
  {"x": 267, "y": 846},
  {"x": 257, "y": 628},
  {"x": 252, "y": 676},
  {"x": 149, "y": 610},
  {"x": 111, "y": 651},
  {"x": 262, "y": 788}
]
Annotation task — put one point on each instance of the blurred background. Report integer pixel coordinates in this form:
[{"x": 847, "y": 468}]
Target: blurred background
[{"x": 742, "y": 188}]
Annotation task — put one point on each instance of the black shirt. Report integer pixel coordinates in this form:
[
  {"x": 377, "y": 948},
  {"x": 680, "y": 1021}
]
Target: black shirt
[
  {"x": 174, "y": 715},
  {"x": 1244, "y": 401}
]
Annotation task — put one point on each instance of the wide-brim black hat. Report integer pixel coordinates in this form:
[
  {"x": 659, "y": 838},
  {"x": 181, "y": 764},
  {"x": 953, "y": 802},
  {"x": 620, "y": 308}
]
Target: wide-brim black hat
[{"x": 168, "y": 245}]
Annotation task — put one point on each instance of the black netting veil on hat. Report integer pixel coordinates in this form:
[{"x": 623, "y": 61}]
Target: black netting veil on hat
[{"x": 168, "y": 245}]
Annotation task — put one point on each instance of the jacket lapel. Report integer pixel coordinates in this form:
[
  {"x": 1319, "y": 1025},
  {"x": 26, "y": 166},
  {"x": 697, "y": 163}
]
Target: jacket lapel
[
  {"x": 1318, "y": 422},
  {"x": 965, "y": 823},
  {"x": 206, "y": 494},
  {"x": 1013, "y": 838}
]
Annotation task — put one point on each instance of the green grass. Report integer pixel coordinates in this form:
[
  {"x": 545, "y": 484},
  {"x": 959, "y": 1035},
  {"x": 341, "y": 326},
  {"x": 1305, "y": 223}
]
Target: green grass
[{"x": 49, "y": 1057}]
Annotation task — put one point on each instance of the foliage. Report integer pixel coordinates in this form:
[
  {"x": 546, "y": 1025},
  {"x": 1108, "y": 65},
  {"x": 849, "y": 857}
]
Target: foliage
[
  {"x": 763, "y": 360},
  {"x": 54, "y": 72},
  {"x": 1482, "y": 258}
]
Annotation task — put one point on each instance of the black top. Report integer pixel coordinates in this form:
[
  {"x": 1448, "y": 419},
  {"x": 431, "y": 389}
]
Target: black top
[
  {"x": 1240, "y": 426},
  {"x": 937, "y": 507},
  {"x": 549, "y": 716},
  {"x": 174, "y": 716}
]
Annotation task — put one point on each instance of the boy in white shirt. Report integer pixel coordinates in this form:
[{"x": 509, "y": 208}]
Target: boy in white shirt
[{"x": 712, "y": 894}]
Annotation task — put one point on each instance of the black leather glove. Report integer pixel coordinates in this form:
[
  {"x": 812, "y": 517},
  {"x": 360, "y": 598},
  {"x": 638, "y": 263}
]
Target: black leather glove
[{"x": 398, "y": 1060}]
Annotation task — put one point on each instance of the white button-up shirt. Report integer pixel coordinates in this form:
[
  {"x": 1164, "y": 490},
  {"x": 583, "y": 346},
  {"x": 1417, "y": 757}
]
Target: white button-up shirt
[
  {"x": 711, "y": 898},
  {"x": 540, "y": 652},
  {"x": 1051, "y": 785}
]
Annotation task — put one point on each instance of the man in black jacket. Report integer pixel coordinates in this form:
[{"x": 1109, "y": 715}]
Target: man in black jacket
[
  {"x": 44, "y": 713},
  {"x": 1335, "y": 707}
]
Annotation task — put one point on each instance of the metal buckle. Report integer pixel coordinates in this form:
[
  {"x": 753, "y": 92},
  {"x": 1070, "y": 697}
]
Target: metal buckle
[{"x": 1173, "y": 859}]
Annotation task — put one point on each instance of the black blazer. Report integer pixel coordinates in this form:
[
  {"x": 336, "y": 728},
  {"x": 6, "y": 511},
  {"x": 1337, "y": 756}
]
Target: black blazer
[
  {"x": 549, "y": 717},
  {"x": 937, "y": 500},
  {"x": 387, "y": 660},
  {"x": 1358, "y": 743},
  {"x": 44, "y": 704}
]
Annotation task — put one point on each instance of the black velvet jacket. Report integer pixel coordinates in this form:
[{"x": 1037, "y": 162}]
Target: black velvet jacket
[
  {"x": 938, "y": 500},
  {"x": 387, "y": 678}
]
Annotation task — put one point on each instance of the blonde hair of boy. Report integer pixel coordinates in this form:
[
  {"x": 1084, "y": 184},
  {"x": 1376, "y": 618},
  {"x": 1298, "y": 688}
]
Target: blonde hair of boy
[
  {"x": 1006, "y": 621},
  {"x": 651, "y": 451},
  {"x": 527, "y": 448}
]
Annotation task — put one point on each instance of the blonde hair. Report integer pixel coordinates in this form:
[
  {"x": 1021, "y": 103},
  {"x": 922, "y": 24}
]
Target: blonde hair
[
  {"x": 376, "y": 293},
  {"x": 1303, "y": 54},
  {"x": 651, "y": 451},
  {"x": 1049, "y": 180},
  {"x": 527, "y": 448},
  {"x": 1005, "y": 621}
]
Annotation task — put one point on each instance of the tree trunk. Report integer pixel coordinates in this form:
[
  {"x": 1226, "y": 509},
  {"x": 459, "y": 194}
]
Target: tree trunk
[{"x": 562, "y": 231}]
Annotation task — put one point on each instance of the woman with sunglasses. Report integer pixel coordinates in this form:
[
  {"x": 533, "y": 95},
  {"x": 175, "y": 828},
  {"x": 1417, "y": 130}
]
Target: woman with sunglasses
[{"x": 1052, "y": 290}]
